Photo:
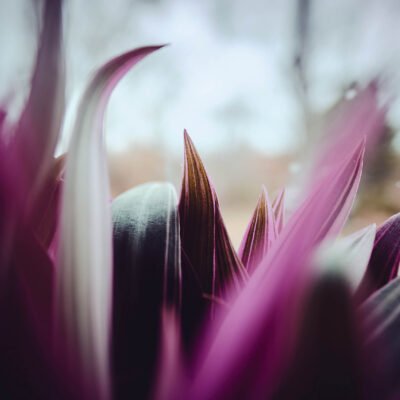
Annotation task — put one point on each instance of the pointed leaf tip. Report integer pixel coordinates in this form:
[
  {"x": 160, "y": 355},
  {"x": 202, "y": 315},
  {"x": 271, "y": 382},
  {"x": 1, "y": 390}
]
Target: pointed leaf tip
[
  {"x": 208, "y": 247},
  {"x": 210, "y": 264},
  {"x": 260, "y": 234}
]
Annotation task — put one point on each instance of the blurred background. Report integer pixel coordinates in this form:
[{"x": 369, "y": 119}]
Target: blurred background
[{"x": 252, "y": 81}]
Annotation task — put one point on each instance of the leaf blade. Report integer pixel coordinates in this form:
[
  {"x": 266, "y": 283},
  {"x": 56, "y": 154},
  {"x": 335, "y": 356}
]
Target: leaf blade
[{"x": 84, "y": 272}]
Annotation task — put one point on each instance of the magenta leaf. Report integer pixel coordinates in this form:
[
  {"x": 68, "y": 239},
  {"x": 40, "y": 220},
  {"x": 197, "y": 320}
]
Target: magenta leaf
[
  {"x": 38, "y": 129},
  {"x": 147, "y": 280},
  {"x": 84, "y": 270},
  {"x": 384, "y": 263},
  {"x": 356, "y": 119},
  {"x": 260, "y": 234}
]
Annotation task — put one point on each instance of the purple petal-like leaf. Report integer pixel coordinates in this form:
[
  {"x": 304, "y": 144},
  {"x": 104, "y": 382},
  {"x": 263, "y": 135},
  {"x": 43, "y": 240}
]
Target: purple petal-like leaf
[
  {"x": 384, "y": 263},
  {"x": 209, "y": 262},
  {"x": 255, "y": 339},
  {"x": 260, "y": 234},
  {"x": 38, "y": 129},
  {"x": 84, "y": 271},
  {"x": 147, "y": 279},
  {"x": 356, "y": 119}
]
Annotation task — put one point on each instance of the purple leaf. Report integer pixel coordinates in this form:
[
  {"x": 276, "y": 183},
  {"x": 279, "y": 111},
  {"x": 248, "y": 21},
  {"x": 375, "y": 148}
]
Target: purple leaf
[
  {"x": 84, "y": 270},
  {"x": 147, "y": 279},
  {"x": 384, "y": 263},
  {"x": 354, "y": 120},
  {"x": 38, "y": 129},
  {"x": 260, "y": 234}
]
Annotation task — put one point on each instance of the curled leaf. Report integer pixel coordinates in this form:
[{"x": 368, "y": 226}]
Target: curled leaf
[
  {"x": 84, "y": 271},
  {"x": 260, "y": 234}
]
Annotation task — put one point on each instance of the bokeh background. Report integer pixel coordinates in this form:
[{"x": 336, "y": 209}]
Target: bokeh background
[{"x": 252, "y": 81}]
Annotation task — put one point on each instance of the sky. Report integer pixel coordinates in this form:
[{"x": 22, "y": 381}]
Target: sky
[{"x": 228, "y": 74}]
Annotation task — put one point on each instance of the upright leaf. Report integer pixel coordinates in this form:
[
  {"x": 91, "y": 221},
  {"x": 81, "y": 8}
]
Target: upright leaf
[
  {"x": 84, "y": 271},
  {"x": 38, "y": 129},
  {"x": 209, "y": 262},
  {"x": 260, "y": 233}
]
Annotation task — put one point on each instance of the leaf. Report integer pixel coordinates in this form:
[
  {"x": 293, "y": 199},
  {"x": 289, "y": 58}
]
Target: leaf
[
  {"x": 348, "y": 256},
  {"x": 327, "y": 361},
  {"x": 278, "y": 209},
  {"x": 26, "y": 314},
  {"x": 382, "y": 324},
  {"x": 38, "y": 129},
  {"x": 252, "y": 345},
  {"x": 45, "y": 212},
  {"x": 147, "y": 279},
  {"x": 260, "y": 234},
  {"x": 84, "y": 270},
  {"x": 384, "y": 263},
  {"x": 207, "y": 247},
  {"x": 170, "y": 368},
  {"x": 354, "y": 120},
  {"x": 209, "y": 262}
]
